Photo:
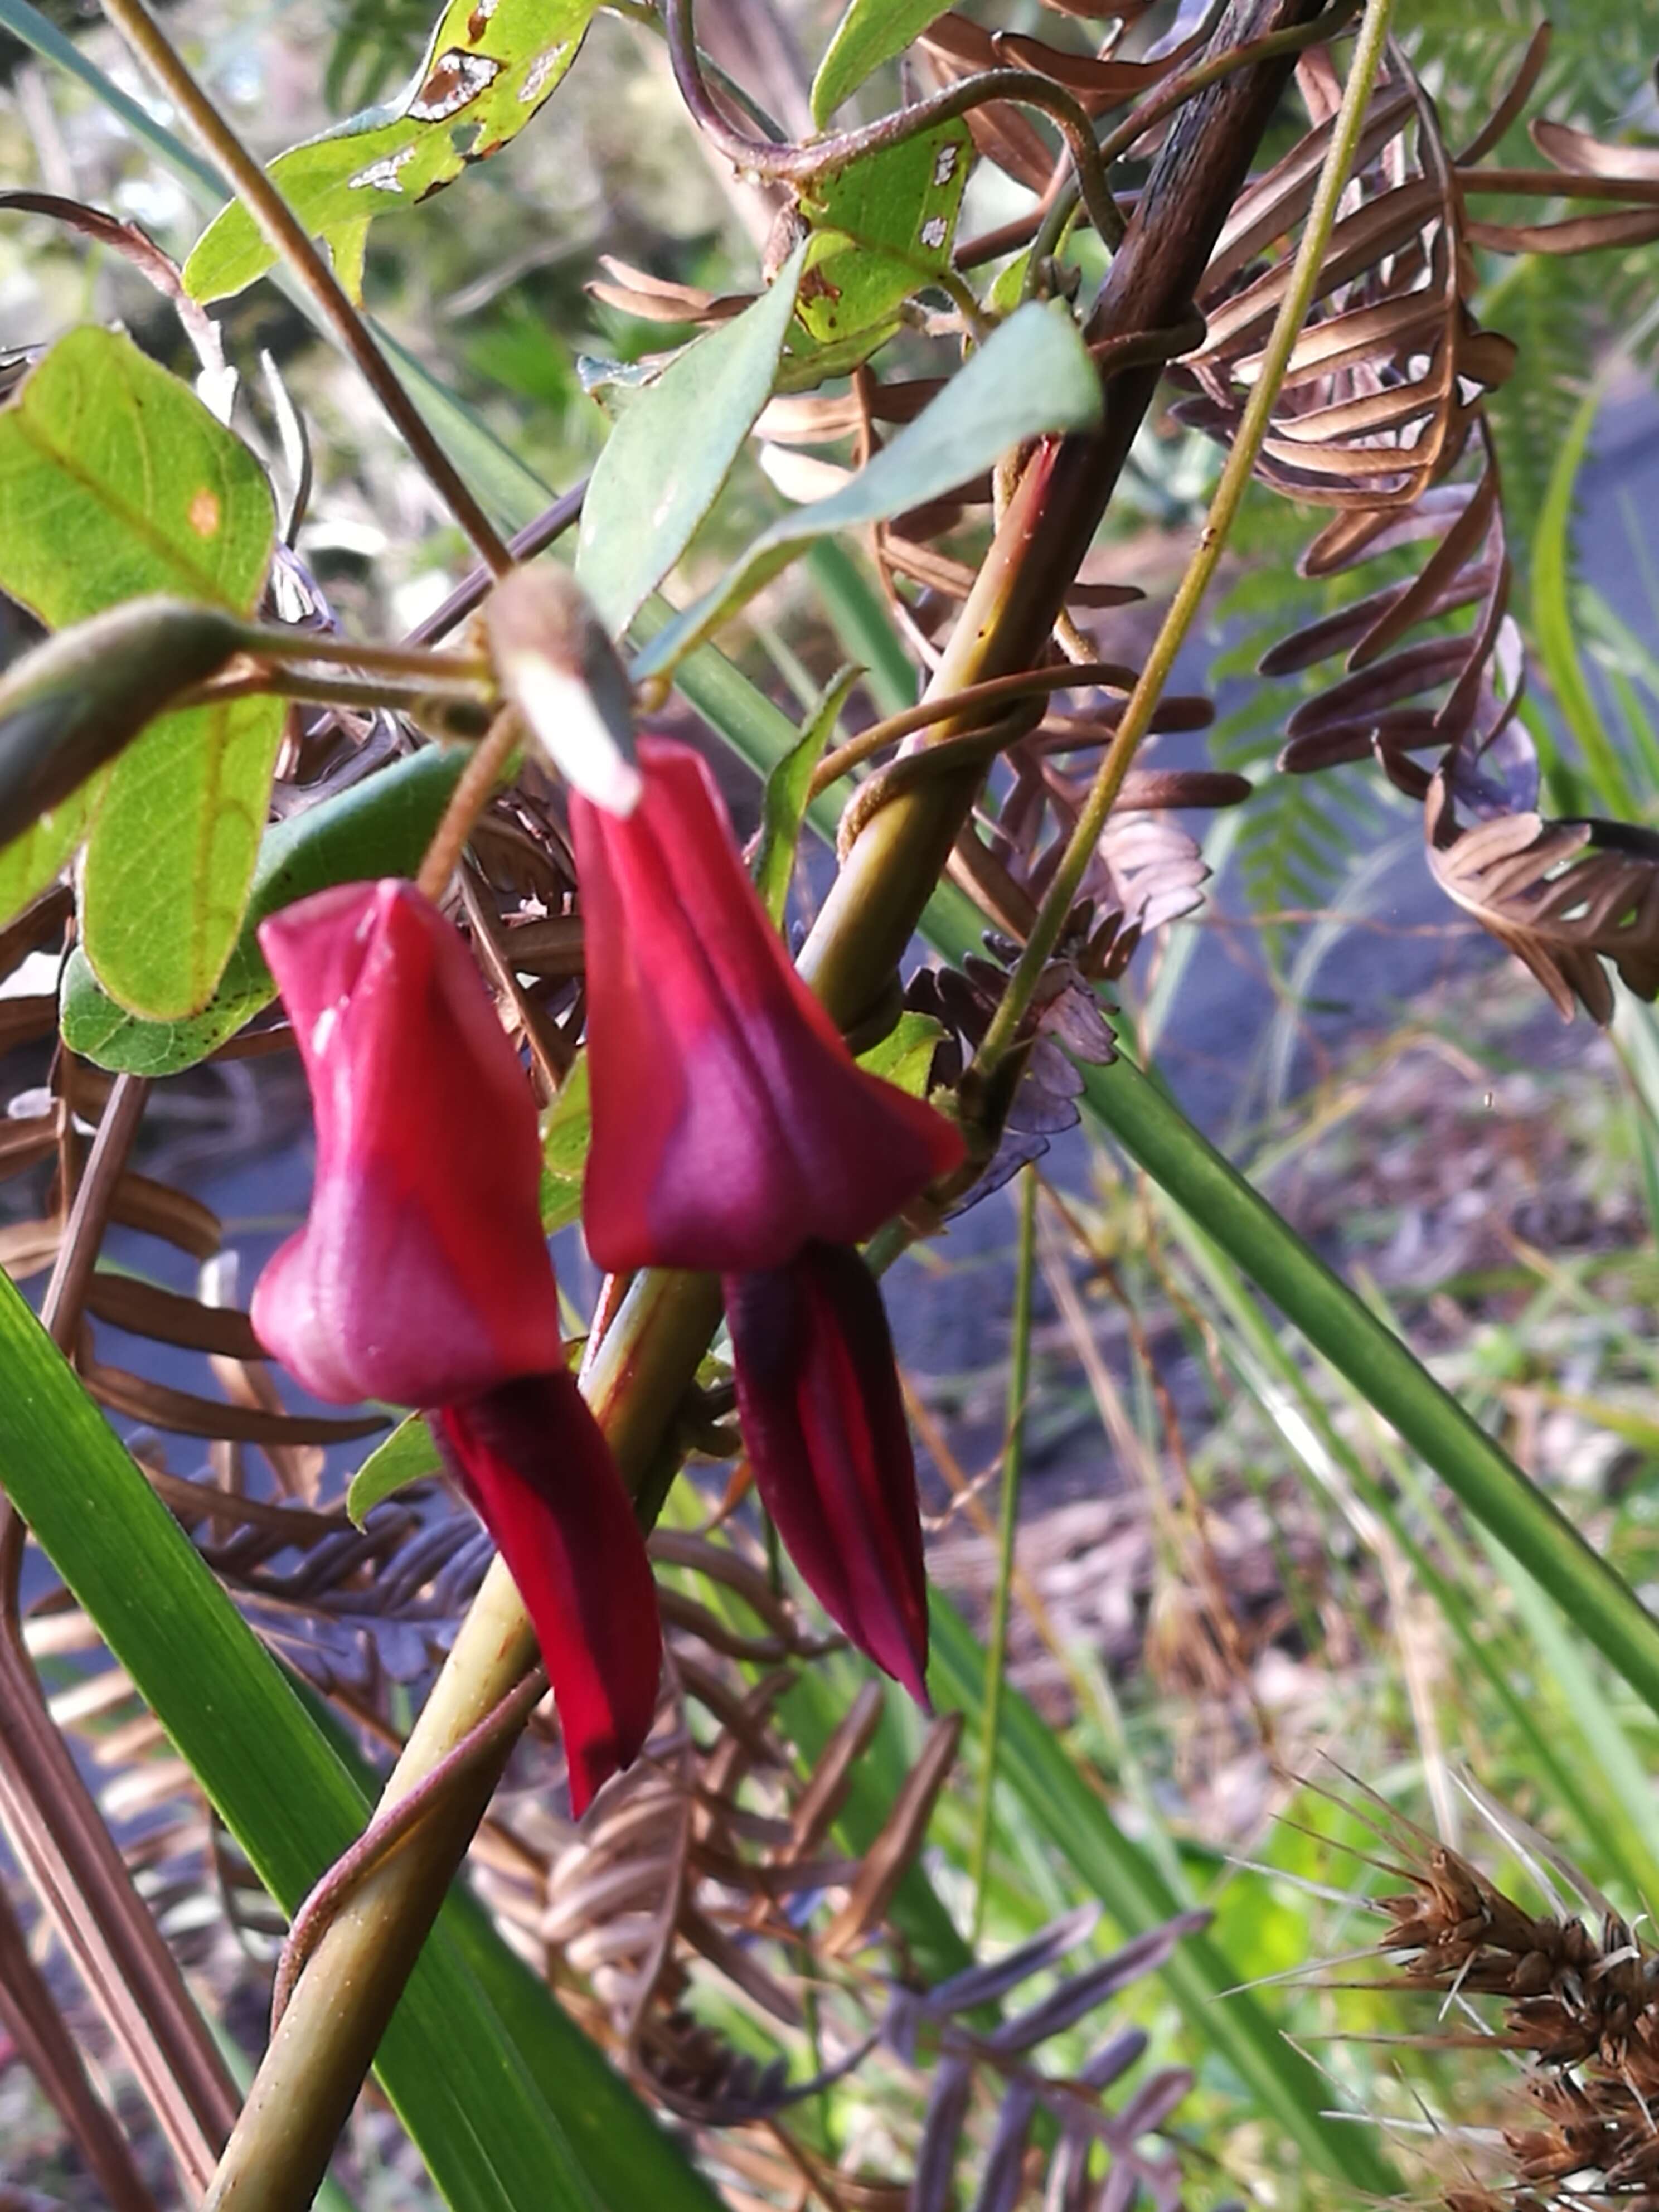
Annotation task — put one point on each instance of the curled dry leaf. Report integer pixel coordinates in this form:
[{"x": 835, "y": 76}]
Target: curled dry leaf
[{"x": 1564, "y": 896}]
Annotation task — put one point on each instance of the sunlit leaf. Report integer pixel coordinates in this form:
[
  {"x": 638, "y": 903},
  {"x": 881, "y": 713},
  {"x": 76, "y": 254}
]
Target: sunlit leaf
[
  {"x": 567, "y": 1131},
  {"x": 885, "y": 227},
  {"x": 116, "y": 481},
  {"x": 1031, "y": 375},
  {"x": 379, "y": 827},
  {"x": 783, "y": 804},
  {"x": 665, "y": 463},
  {"x": 871, "y": 32},
  {"x": 905, "y": 1054},
  {"x": 491, "y": 64},
  {"x": 407, "y": 1455}
]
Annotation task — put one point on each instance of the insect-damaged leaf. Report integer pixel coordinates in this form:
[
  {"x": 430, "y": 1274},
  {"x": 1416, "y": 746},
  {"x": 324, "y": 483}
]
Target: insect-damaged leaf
[
  {"x": 378, "y": 828},
  {"x": 1031, "y": 375},
  {"x": 115, "y": 481},
  {"x": 490, "y": 65},
  {"x": 871, "y": 32},
  {"x": 883, "y": 227},
  {"x": 665, "y": 463}
]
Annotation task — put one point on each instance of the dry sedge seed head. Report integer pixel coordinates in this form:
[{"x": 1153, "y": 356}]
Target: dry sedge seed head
[{"x": 1577, "y": 2000}]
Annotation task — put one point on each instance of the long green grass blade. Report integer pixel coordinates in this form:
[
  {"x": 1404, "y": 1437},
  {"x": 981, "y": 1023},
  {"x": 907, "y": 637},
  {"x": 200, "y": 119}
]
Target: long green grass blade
[{"x": 499, "y": 2128}]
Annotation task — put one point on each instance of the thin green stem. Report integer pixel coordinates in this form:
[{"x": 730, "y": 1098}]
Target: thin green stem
[
  {"x": 270, "y": 643},
  {"x": 1013, "y": 1462},
  {"x": 288, "y": 238},
  {"x": 1235, "y": 476}
]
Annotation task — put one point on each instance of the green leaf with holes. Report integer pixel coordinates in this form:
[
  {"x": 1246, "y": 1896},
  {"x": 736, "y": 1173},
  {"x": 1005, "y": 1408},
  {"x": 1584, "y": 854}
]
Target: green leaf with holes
[
  {"x": 1032, "y": 374},
  {"x": 116, "y": 481},
  {"x": 380, "y": 827},
  {"x": 490, "y": 66},
  {"x": 665, "y": 461},
  {"x": 871, "y": 31},
  {"x": 884, "y": 228}
]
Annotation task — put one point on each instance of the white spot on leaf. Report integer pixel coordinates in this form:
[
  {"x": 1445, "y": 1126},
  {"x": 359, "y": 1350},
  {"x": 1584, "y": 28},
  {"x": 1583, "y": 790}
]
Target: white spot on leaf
[
  {"x": 934, "y": 232},
  {"x": 539, "y": 71},
  {"x": 382, "y": 175},
  {"x": 945, "y": 164},
  {"x": 456, "y": 80}
]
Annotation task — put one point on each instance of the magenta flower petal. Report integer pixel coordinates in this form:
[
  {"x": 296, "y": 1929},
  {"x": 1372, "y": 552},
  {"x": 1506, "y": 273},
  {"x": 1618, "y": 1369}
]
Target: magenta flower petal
[
  {"x": 422, "y": 1273},
  {"x": 536, "y": 1468},
  {"x": 729, "y": 1121},
  {"x": 824, "y": 1428}
]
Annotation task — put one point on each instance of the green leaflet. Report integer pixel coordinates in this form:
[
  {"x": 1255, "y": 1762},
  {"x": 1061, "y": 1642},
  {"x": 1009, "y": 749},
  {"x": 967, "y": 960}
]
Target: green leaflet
[
  {"x": 379, "y": 828},
  {"x": 884, "y": 228},
  {"x": 1032, "y": 374},
  {"x": 665, "y": 461},
  {"x": 565, "y": 1132},
  {"x": 490, "y": 66},
  {"x": 407, "y": 1455},
  {"x": 783, "y": 805},
  {"x": 871, "y": 32},
  {"x": 115, "y": 481}
]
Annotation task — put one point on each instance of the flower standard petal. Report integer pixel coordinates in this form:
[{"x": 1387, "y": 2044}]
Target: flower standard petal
[
  {"x": 536, "y": 1468},
  {"x": 823, "y": 1425},
  {"x": 729, "y": 1121},
  {"x": 422, "y": 1273}
]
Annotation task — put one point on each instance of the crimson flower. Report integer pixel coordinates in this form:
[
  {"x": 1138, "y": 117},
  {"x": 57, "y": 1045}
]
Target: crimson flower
[
  {"x": 421, "y": 1276},
  {"x": 730, "y": 1124},
  {"x": 823, "y": 1425}
]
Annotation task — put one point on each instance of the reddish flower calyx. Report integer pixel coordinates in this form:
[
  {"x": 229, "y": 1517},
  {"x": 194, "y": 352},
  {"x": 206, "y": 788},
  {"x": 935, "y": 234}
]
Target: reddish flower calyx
[
  {"x": 536, "y": 1468},
  {"x": 729, "y": 1122},
  {"x": 823, "y": 1425},
  {"x": 422, "y": 1273}
]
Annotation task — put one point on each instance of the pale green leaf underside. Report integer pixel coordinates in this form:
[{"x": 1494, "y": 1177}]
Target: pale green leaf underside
[
  {"x": 115, "y": 481},
  {"x": 1032, "y": 374},
  {"x": 665, "y": 461},
  {"x": 871, "y": 32},
  {"x": 379, "y": 828},
  {"x": 488, "y": 69}
]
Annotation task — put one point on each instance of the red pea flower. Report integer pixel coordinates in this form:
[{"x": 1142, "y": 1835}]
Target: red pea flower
[
  {"x": 729, "y": 1121},
  {"x": 422, "y": 1273},
  {"x": 823, "y": 1424},
  {"x": 421, "y": 1276},
  {"x": 534, "y": 1464}
]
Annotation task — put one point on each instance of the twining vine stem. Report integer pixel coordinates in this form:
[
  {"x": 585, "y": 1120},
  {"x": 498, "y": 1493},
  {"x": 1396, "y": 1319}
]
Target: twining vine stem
[
  {"x": 1137, "y": 716},
  {"x": 290, "y": 240},
  {"x": 792, "y": 164}
]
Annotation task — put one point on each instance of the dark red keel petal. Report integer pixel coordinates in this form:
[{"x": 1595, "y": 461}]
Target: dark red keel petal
[
  {"x": 537, "y": 1471},
  {"x": 824, "y": 1428}
]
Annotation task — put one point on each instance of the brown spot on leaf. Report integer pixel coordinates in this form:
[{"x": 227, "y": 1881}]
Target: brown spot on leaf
[{"x": 203, "y": 512}]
